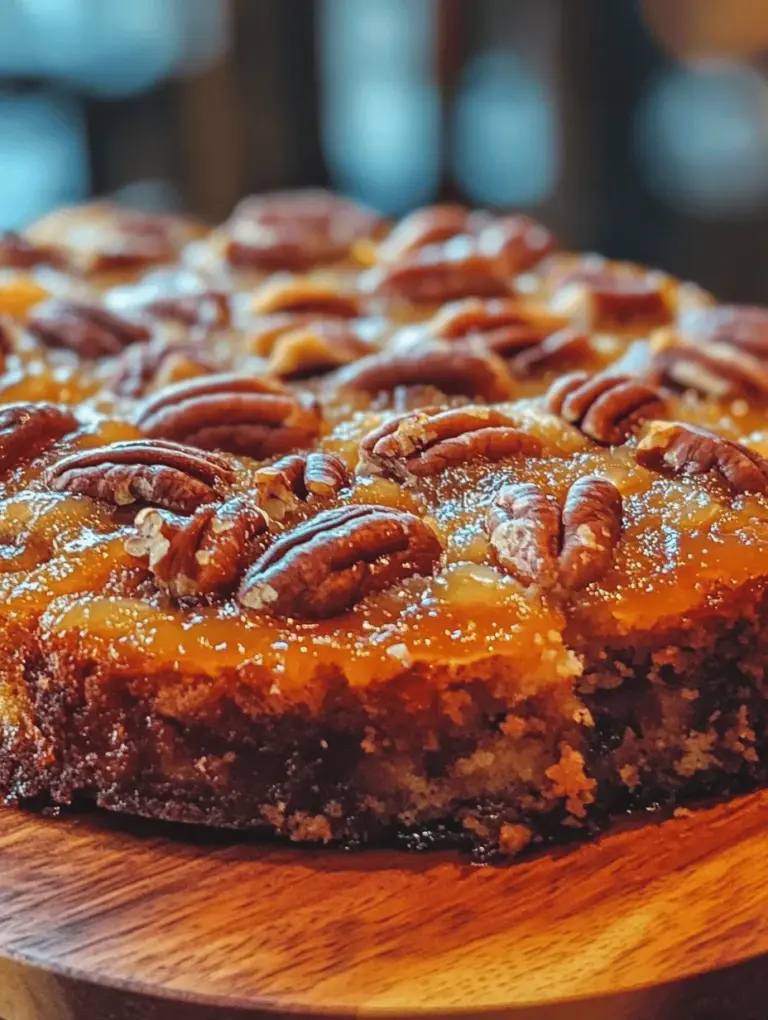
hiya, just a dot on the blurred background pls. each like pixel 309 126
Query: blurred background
pixel 638 128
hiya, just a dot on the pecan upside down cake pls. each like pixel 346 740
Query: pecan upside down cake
pixel 361 532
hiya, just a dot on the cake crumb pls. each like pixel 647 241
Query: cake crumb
pixel 571 781
pixel 630 776
pixel 514 838
pixel 309 828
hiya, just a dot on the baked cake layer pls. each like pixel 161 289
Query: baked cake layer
pixel 359 532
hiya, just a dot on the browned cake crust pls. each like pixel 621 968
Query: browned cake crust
pixel 363 533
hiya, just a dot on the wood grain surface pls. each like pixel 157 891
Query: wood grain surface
pixel 106 918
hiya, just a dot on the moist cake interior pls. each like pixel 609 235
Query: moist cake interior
pixel 347 531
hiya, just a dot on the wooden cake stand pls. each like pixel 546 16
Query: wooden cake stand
pixel 108 919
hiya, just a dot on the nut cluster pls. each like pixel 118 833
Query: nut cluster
pixel 551 546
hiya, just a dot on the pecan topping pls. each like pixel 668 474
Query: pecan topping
pixel 251 416
pixel 524 336
pixel 327 564
pixel 448 253
pixel 17 252
pixel 205 554
pixel 26 428
pixel 552 547
pixel 517 242
pixel 678 449
pixel 564 347
pixel 452 370
pixel 302 294
pixel 426 442
pixel 299 477
pixel 295 231
pixel 143 471
pixel 315 349
pixel 104 237
pixel 156 364
pixel 208 308
pixel 440 273
pixel 613 295
pixel 712 369
pixel 607 408
pixel 741 326
pixel 431 225
pixel 88 330
pixel 479 263
pixel 504 324
pixel 178 295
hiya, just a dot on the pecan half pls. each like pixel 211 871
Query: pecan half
pixel 678 449
pixel 506 325
pixel 543 544
pixel 426 442
pixel 562 348
pixel 430 225
pixel 741 326
pixel 325 565
pixel 591 531
pixel 611 295
pixel 209 308
pixel 25 429
pixel 607 408
pixel 528 338
pixel 295 230
pixel 303 294
pixel 299 477
pixel 17 252
pixel 251 416
pixel 451 370
pixel 175 294
pixel 205 554
pixel 104 237
pixel 468 254
pixel 516 242
pixel 524 528
pixel 143 471
pixel 315 349
pixel 88 330
pixel 711 369
pixel 437 273
pixel 156 364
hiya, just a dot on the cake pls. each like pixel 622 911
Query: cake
pixel 425 533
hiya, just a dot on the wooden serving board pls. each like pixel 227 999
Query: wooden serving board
pixel 108 919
